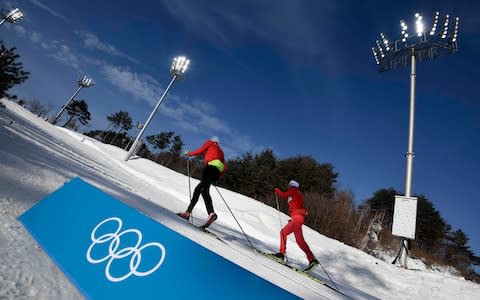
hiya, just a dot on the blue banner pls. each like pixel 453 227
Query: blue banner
pixel 112 251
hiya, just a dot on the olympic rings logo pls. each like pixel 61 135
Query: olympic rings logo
pixel 115 253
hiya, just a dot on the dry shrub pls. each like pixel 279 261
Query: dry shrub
pixel 334 217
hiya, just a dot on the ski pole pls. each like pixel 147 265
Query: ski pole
pixel 328 276
pixel 280 222
pixel 189 188
pixel 278 209
pixel 251 245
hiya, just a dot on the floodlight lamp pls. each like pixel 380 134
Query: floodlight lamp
pixel 434 23
pixel 375 55
pixel 455 30
pixel 85 81
pixel 179 65
pixel 380 49
pixel 385 41
pixel 404 31
pixel 14 15
pixel 445 26
pixel 419 24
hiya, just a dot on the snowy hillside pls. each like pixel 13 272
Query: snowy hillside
pixel 37 158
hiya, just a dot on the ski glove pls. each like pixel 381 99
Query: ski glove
pixel 186 153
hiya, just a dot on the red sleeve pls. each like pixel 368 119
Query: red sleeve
pixel 201 149
pixel 283 194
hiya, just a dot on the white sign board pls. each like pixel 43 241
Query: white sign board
pixel 405 217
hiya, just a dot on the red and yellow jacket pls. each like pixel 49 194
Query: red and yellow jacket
pixel 213 155
pixel 295 200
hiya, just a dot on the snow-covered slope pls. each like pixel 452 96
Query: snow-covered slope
pixel 36 158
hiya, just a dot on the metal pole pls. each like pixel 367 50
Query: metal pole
pixel 189 188
pixel 66 104
pixel 2 21
pixel 410 154
pixel 135 144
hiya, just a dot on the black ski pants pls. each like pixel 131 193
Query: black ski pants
pixel 210 175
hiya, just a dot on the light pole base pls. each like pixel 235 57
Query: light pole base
pixel 404 254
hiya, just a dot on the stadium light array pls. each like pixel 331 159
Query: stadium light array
pixel 13 16
pixel 424 45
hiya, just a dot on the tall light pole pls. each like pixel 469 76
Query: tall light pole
pixel 423 45
pixel 82 82
pixel 13 16
pixel 179 66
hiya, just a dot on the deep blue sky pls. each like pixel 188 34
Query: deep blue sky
pixel 295 76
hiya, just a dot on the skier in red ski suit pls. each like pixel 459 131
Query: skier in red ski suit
pixel 298 212
pixel 215 167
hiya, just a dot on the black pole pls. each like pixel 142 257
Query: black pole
pixel 251 245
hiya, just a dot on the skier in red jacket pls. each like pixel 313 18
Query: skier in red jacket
pixel 298 212
pixel 215 167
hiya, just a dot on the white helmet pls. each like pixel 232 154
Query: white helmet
pixel 293 183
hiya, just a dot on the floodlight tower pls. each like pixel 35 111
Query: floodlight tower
pixel 178 69
pixel 82 82
pixel 13 16
pixel 423 45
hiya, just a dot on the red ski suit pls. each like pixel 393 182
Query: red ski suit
pixel 297 212
pixel 212 151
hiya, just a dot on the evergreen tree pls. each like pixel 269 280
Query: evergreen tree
pixel 431 227
pixel 77 110
pixel 265 178
pixel 457 252
pixel 120 118
pixel 313 177
pixel 115 120
pixel 175 149
pixel 125 123
pixel 162 140
pixel 11 71
pixel 177 145
pixel 241 171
